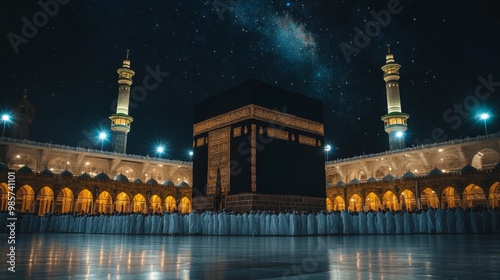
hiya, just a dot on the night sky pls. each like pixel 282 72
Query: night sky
pixel 68 66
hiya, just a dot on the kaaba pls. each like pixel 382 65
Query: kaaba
pixel 258 147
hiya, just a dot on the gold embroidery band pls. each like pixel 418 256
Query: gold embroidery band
pixel 307 140
pixel 278 134
pixel 259 113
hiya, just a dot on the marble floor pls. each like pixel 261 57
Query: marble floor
pixel 80 256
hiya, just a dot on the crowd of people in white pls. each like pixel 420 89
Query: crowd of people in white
pixel 267 223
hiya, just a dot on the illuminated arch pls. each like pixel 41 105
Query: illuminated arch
pixel 58 164
pixel 185 205
pixel 373 202
pixel 45 200
pixel 139 203
pixel 92 168
pixel 84 201
pixel 24 199
pixel 20 160
pixel 448 162
pixel 155 202
pixel 333 178
pixel 485 158
pixel 329 204
pixel 338 203
pixel 415 166
pixel 170 204
pixel 450 198
pixel 64 201
pixel 390 201
pixel 429 198
pixel 494 196
pixel 408 201
pixel 122 203
pixel 4 196
pixel 474 196
pixel 128 171
pixel 355 203
pixel 180 176
pixel 383 170
pixel 353 174
pixel 154 173
pixel 103 203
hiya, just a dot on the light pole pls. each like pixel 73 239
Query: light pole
pixel 5 120
pixel 190 155
pixel 102 136
pixel 484 117
pixel 160 150
pixel 327 149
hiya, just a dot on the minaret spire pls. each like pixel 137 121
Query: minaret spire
pixel 395 121
pixel 120 122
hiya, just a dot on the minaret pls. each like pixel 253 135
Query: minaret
pixel 394 121
pixel 120 122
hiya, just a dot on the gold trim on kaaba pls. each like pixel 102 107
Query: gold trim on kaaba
pixel 307 140
pixel 259 113
pixel 237 131
pixel 253 160
pixel 200 142
pixel 219 157
pixel 277 133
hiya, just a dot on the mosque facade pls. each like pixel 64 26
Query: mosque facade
pixel 54 178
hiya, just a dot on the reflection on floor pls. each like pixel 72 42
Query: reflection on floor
pixel 80 256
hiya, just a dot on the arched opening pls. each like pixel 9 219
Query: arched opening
pixel 355 203
pixel 153 174
pixel 338 203
pixel 185 205
pixel 329 204
pixel 474 196
pixel 180 176
pixel 103 203
pixel 495 195
pixel 84 202
pixel 415 166
pixel 45 201
pixel 382 171
pixel 450 198
pixel 4 197
pixel 64 201
pixel 57 165
pixel 408 201
pixel 333 178
pixel 92 168
pixel 24 199
pixel 373 202
pixel 170 204
pixel 448 162
pixel 429 198
pixel 127 171
pixel 485 159
pixel 139 203
pixel 122 203
pixel 21 160
pixel 155 202
pixel 390 201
